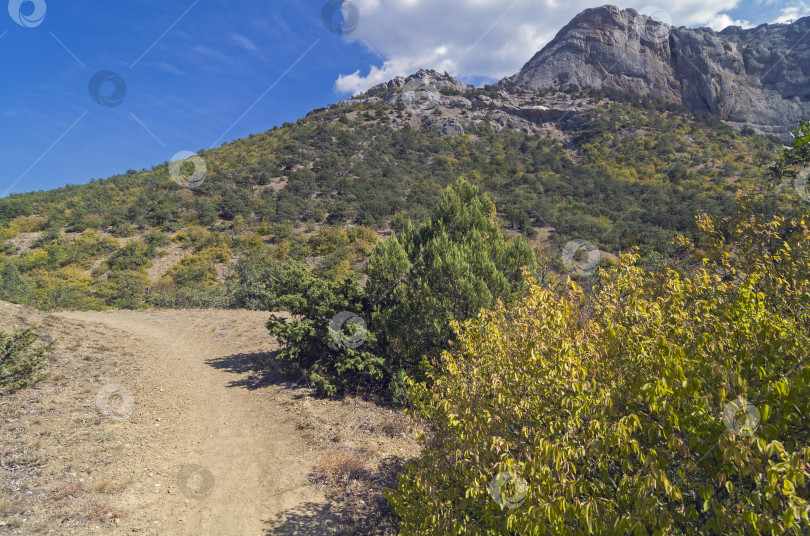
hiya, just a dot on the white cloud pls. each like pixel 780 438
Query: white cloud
pixel 485 38
pixel 722 20
pixel 244 42
pixel 789 14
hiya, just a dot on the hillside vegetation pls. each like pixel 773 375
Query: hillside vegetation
pixel 322 191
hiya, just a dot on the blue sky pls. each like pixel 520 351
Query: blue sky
pixel 198 73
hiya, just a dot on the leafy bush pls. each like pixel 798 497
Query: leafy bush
pixel 134 256
pixel 66 288
pixel 21 364
pixel 156 239
pixel 679 406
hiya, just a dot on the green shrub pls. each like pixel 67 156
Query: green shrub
pixel 679 406
pixel 133 256
pixel 306 338
pixel 170 296
pixel 123 290
pixel 157 239
pixel 255 282
pixel 21 364
pixel 13 288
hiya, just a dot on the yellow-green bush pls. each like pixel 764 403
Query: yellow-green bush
pixel 28 224
pixel 8 233
pixel 64 288
pixel 628 421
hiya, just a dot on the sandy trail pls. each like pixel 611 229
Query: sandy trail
pixel 247 463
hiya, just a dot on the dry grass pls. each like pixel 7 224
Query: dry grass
pixel 364 509
pixel 304 424
pixel 338 467
pixel 66 492
pixel 93 510
pixel 5 507
pixel 395 426
pixel 68 495
pixel 107 486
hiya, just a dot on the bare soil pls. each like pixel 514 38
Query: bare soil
pixel 182 422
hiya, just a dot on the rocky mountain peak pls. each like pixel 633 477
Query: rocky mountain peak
pixel 757 78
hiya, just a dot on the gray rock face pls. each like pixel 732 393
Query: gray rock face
pixel 450 128
pixel 757 78
pixel 426 77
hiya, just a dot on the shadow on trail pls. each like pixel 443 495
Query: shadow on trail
pixel 358 509
pixel 308 519
pixel 260 369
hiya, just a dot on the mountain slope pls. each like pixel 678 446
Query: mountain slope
pixel 756 78
pixel 605 166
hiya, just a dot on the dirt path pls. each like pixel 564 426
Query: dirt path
pixel 179 423
pixel 245 450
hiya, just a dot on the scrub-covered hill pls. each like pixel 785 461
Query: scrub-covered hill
pixel 615 169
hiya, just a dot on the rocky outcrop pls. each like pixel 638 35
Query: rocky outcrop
pixel 427 77
pixel 450 128
pixel 437 101
pixel 757 78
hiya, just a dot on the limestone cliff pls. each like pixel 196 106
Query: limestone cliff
pixel 759 78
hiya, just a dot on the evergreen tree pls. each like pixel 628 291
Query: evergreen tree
pixel 13 288
pixel 448 269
